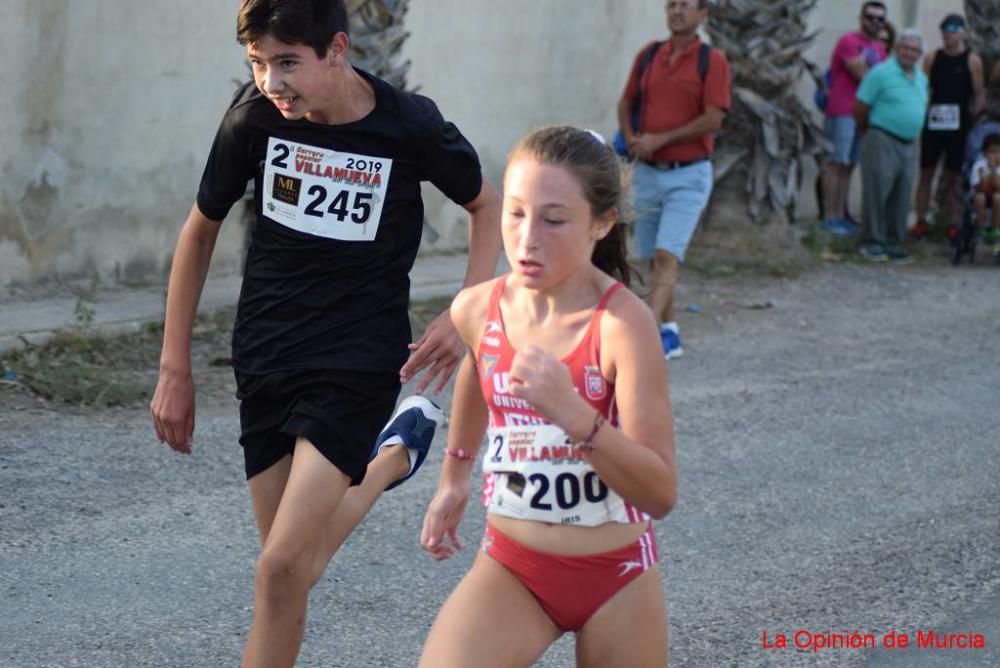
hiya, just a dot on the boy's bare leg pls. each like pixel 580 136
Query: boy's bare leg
pixel 292 543
pixel 294 559
pixel 391 464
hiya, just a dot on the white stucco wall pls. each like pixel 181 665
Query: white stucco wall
pixel 110 107
pixel 520 64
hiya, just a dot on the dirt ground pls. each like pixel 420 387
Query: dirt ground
pixel 81 372
pixel 835 438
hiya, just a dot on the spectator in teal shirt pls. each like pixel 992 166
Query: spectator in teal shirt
pixel 889 108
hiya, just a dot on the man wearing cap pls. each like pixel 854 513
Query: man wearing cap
pixel 957 95
pixel 889 110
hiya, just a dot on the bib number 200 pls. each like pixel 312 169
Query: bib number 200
pixel 568 490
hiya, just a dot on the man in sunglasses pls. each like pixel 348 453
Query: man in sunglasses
pixel 855 54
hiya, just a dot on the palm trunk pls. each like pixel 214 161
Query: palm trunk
pixel 377 35
pixel 984 37
pixel 769 133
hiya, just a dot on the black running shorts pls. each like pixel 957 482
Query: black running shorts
pixel 340 412
pixel 951 144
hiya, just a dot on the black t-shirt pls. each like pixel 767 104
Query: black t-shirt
pixel 339 220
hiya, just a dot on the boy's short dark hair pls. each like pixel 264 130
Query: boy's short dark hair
pixel 991 140
pixel 309 22
pixel 874 3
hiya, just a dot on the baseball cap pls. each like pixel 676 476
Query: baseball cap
pixel 953 23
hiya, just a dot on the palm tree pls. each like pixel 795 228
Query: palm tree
pixel 984 29
pixel 769 132
pixel 377 35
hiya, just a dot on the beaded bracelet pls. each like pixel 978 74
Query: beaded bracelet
pixel 458 454
pixel 587 443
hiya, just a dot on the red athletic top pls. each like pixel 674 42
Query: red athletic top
pixel 496 355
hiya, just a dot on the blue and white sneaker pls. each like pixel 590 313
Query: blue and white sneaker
pixel 412 425
pixel 670 337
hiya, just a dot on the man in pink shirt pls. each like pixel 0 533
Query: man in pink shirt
pixel 854 54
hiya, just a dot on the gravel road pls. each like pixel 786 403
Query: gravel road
pixel 837 437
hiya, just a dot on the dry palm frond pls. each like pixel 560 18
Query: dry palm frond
pixel 984 37
pixel 769 131
pixel 377 36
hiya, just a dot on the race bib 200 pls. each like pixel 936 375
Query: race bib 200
pixel 323 192
pixel 541 475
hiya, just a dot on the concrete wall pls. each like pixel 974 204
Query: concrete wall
pixel 109 111
pixel 110 108
pixel 522 64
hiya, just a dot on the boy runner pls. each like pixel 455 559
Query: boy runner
pixel 321 335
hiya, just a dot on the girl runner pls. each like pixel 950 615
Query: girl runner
pixel 566 370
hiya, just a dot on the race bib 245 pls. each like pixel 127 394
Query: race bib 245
pixel 323 192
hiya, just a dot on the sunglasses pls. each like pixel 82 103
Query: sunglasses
pixel 874 17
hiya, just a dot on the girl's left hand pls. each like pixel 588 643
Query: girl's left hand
pixel 545 383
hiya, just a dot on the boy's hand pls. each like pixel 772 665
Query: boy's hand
pixel 441 348
pixel 172 409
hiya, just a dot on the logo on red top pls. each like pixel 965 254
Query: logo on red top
pixel 488 362
pixel 593 383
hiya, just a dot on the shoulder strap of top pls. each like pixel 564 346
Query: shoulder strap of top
pixel 594 331
pixel 493 310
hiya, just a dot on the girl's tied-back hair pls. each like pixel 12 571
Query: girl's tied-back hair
pixel 603 179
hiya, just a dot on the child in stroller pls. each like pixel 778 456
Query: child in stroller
pixel 985 183
pixel 982 185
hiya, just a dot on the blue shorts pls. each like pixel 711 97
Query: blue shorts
pixel 668 205
pixel 841 130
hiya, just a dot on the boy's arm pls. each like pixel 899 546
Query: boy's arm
pixel 172 406
pixel 440 347
pixel 484 236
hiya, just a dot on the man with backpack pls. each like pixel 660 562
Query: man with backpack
pixel 677 94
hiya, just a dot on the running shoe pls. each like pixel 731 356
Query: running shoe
pixel 920 230
pixel 840 227
pixel 413 425
pixel 671 340
pixel 873 253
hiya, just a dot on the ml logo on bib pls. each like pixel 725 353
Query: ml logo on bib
pixel 594 384
pixel 286 189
